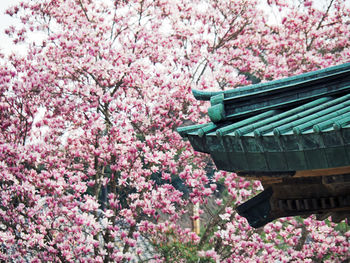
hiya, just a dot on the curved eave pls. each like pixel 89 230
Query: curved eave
pixel 314 135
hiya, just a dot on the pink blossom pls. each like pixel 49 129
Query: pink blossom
pixel 90 160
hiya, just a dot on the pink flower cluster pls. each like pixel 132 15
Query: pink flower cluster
pixel 91 164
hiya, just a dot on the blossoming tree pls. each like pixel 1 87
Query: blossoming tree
pixel 90 161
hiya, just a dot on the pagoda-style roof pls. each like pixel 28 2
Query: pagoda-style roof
pixel 297 123
pixel 280 128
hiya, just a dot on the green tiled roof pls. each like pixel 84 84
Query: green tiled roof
pixel 274 129
pixel 297 123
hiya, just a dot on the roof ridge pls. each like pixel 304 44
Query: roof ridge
pixel 275 84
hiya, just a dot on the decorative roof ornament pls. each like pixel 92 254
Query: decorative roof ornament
pixel 291 134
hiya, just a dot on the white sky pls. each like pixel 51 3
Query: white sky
pixel 7 46
pixel 5 21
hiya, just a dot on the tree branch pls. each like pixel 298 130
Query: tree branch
pixel 320 24
pixel 301 242
pixel 84 10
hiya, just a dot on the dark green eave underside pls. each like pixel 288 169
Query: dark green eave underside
pixel 284 153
